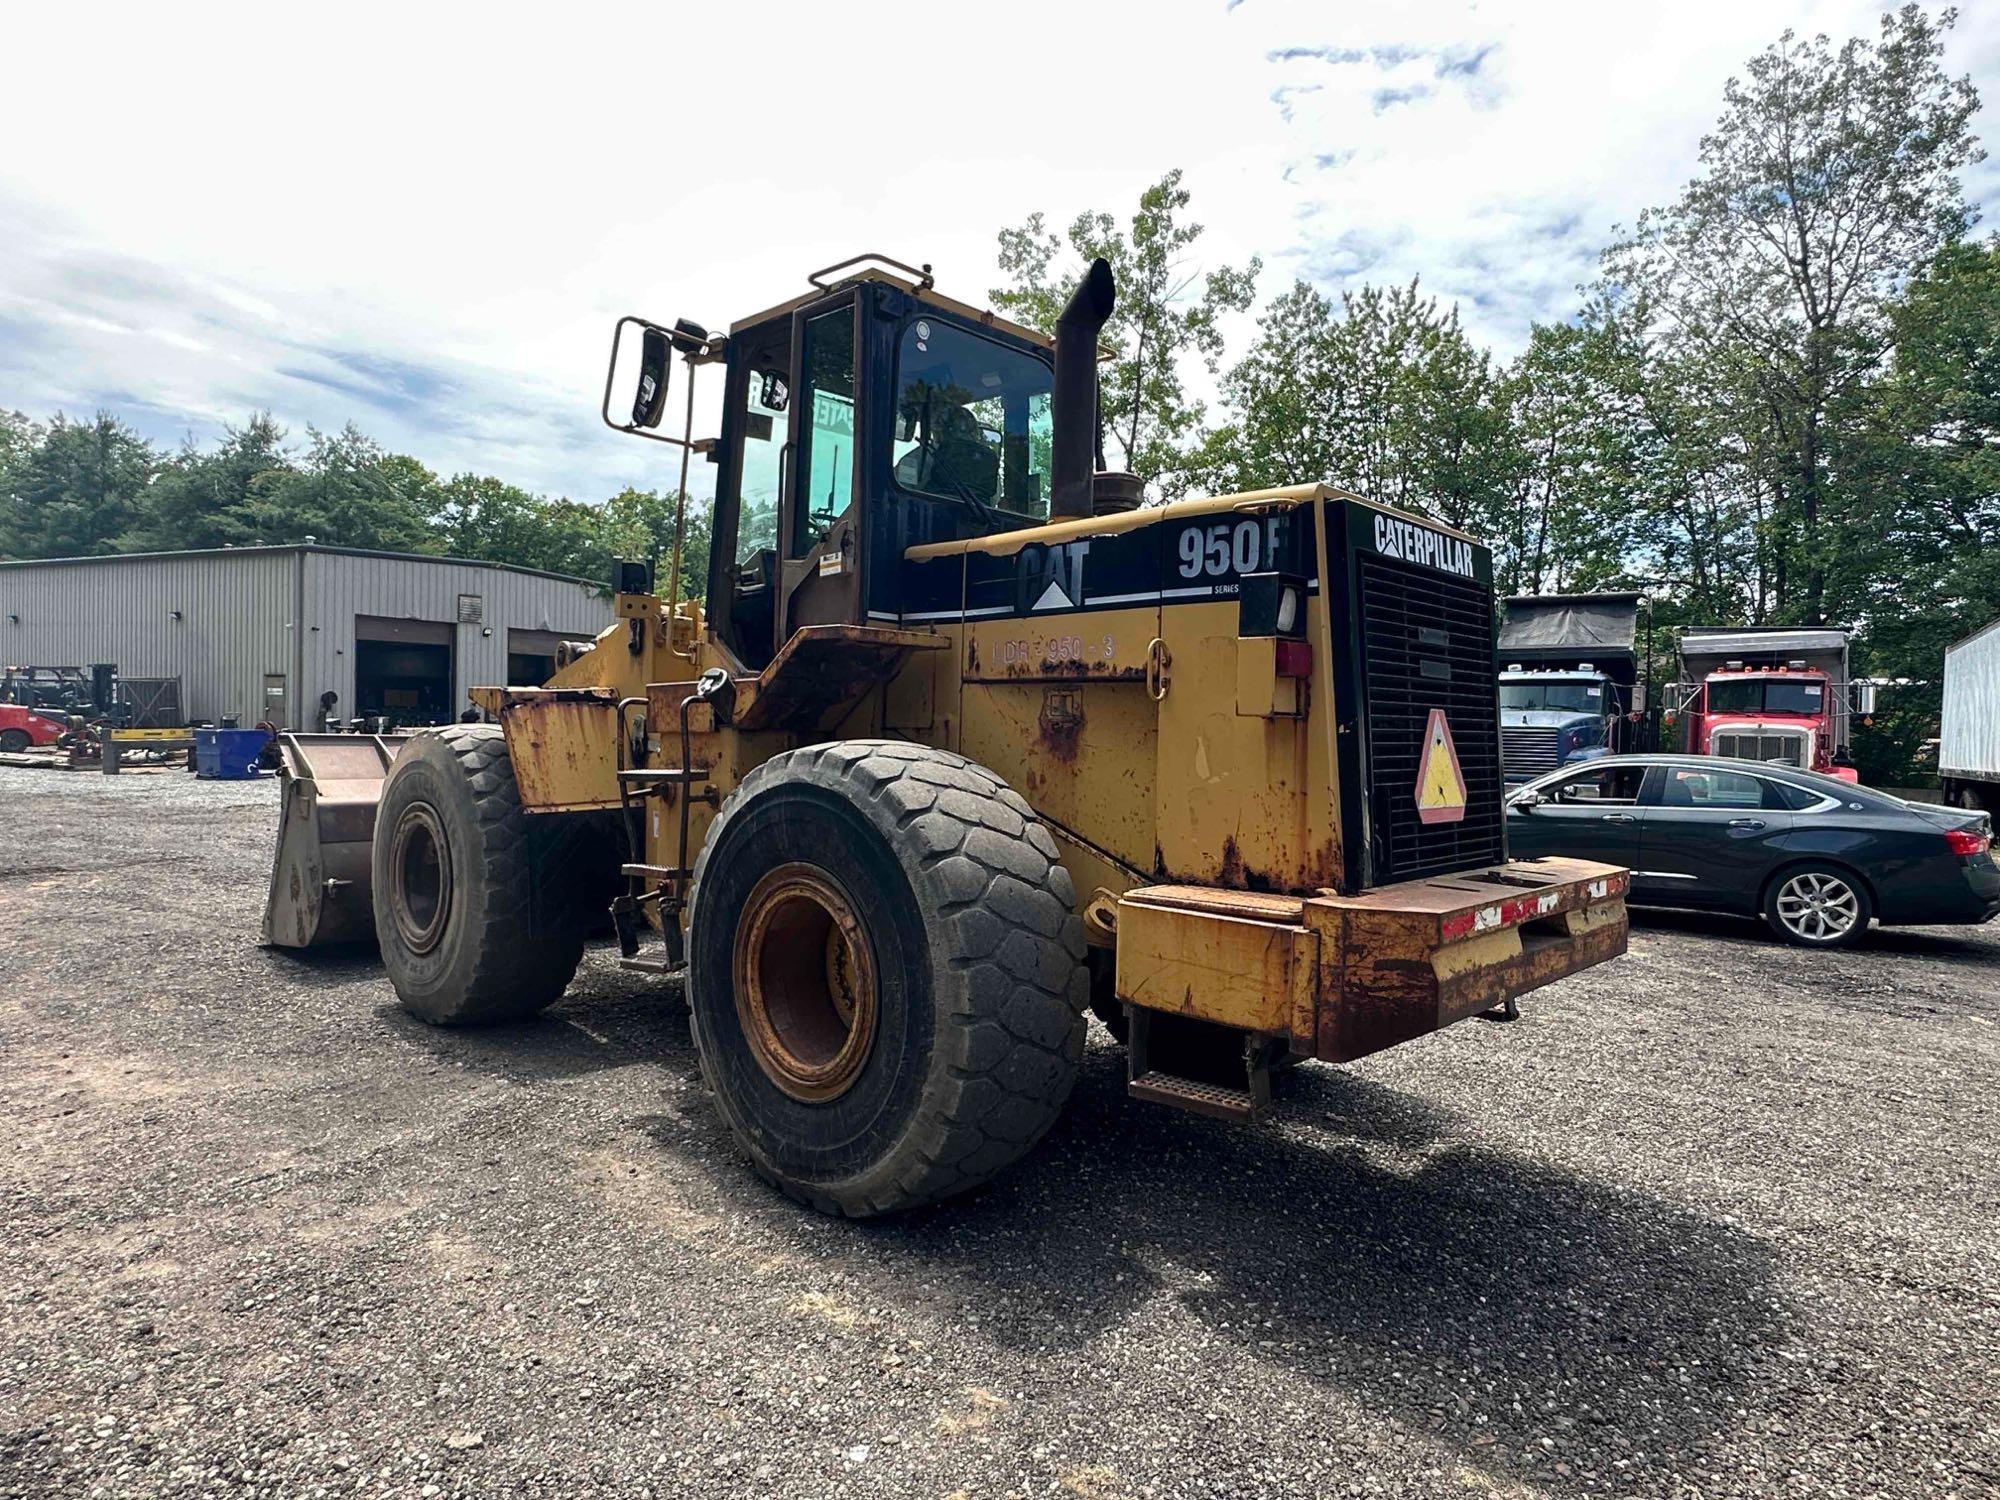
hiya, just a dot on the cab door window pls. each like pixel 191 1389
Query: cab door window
pixel 763 441
pixel 826 436
pixel 1611 786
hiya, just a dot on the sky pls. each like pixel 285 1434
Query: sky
pixel 425 218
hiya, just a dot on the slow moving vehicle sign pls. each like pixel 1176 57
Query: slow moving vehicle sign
pixel 1440 782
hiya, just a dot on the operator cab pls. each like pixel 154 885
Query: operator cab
pixel 865 418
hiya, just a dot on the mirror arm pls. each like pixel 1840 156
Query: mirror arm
pixel 681 496
pixel 692 353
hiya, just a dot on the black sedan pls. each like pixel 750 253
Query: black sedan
pixel 1816 858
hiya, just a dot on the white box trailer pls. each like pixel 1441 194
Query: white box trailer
pixel 1969 736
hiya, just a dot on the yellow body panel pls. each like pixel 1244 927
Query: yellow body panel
pixel 1258 973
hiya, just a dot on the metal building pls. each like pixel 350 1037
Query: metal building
pixel 266 632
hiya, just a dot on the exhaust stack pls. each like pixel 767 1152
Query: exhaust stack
pixel 1073 461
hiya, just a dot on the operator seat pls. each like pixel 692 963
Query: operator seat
pixel 955 459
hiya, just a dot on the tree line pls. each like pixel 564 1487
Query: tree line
pixel 71 488
pixel 1778 402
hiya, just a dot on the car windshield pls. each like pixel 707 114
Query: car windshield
pixel 973 419
pixel 1574 697
pixel 1766 695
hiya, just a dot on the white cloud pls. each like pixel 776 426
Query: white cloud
pixel 425 218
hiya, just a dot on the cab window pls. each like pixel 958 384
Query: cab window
pixel 1608 786
pixel 828 460
pixel 763 437
pixel 973 420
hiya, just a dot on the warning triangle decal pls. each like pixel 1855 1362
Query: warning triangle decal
pixel 1440 782
pixel 1054 598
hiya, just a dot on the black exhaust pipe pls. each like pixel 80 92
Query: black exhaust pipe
pixel 1073 461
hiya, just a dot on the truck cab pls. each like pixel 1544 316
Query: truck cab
pixel 1552 718
pixel 1774 693
pixel 1780 716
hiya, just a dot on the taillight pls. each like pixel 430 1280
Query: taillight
pixel 1968 841
pixel 1295 658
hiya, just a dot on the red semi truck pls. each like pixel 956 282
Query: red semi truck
pixel 1770 693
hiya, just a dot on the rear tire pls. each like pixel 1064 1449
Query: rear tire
pixel 1818 906
pixel 13 741
pixel 885 974
pixel 454 876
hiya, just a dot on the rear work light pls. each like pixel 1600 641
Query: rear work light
pixel 1295 658
pixel 1968 841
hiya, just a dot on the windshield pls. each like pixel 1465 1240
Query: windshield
pixel 973 419
pixel 1766 695
pixel 1571 697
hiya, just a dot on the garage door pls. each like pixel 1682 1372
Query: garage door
pixel 403 670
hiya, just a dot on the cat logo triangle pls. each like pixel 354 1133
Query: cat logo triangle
pixel 1440 782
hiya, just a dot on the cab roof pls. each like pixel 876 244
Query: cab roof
pixel 928 295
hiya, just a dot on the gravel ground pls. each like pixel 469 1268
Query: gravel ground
pixel 1718 1219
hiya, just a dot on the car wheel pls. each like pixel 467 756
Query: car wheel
pixel 13 741
pixel 1818 906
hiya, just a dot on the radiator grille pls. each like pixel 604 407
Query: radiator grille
pixel 1529 751
pixel 1450 665
pixel 1773 749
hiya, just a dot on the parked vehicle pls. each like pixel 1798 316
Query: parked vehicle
pixel 1771 693
pixel 1815 857
pixel 21 727
pixel 1569 688
pixel 1969 736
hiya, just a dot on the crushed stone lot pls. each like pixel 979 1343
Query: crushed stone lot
pixel 1716 1219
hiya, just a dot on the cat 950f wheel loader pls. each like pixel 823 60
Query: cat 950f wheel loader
pixel 959 743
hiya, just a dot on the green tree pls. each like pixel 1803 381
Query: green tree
pixel 1830 176
pixel 489 519
pixel 350 492
pixel 73 491
pixel 210 499
pixel 1381 393
pixel 1168 309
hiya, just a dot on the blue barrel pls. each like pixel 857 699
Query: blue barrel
pixel 228 754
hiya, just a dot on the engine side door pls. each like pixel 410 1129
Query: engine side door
pixel 1708 837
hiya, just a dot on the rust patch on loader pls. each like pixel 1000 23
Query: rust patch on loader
pixel 1059 727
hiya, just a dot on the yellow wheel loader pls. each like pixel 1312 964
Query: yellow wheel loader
pixel 960 743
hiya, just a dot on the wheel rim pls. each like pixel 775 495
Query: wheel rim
pixel 1818 907
pixel 805 983
pixel 420 877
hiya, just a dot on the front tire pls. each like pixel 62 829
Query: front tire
pixel 454 863
pixel 1818 906
pixel 885 974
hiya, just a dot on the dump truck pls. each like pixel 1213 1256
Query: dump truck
pixel 960 743
pixel 1775 693
pixel 1969 729
pixel 1569 680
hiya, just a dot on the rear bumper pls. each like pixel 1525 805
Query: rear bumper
pixel 1339 977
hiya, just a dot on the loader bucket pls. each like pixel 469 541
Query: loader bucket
pixel 321 880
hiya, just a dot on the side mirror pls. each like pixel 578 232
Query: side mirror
pixel 655 366
pixel 1526 800
pixel 657 347
pixel 772 393
pixel 1864 698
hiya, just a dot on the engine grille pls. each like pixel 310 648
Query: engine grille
pixel 1529 751
pixel 1406 675
pixel 1773 749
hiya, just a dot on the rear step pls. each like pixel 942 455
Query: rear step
pixel 1201 1098
pixel 1156 1038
